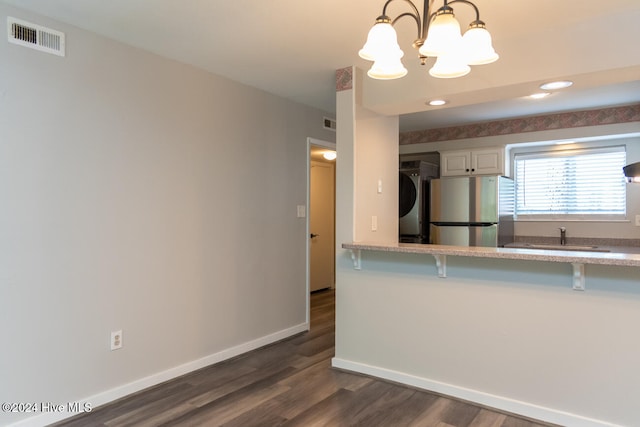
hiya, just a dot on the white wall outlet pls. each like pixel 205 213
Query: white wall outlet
pixel 374 223
pixel 637 220
pixel 302 211
pixel 116 340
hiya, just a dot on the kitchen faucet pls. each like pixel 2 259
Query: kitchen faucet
pixel 563 235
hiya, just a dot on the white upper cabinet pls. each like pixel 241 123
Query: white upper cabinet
pixel 487 161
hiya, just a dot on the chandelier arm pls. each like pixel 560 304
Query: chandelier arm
pixel 423 23
pixel 416 18
pixel 415 9
pixel 468 3
pixel 426 18
pixel 427 21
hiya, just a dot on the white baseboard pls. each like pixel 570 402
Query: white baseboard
pixel 501 403
pixel 132 387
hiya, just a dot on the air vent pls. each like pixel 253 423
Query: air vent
pixel 329 124
pixel 35 36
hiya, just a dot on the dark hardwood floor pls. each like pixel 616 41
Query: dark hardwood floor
pixel 290 383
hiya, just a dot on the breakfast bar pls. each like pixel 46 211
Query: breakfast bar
pixel 627 256
pixel 501 327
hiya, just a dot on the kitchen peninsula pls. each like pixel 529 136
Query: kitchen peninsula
pixel 505 328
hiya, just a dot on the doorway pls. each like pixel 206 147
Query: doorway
pixel 321 217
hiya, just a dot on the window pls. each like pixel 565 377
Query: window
pixel 571 184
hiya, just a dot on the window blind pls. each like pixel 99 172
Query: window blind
pixel 586 182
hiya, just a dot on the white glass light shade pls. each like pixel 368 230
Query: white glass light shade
pixel 444 32
pixel 450 65
pixel 477 46
pixel 381 41
pixel 387 68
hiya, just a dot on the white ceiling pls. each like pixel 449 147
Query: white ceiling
pixel 292 48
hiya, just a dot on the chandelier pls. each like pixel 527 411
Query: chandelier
pixel 438 36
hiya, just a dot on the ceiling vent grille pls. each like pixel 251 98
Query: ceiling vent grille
pixel 35 36
pixel 329 124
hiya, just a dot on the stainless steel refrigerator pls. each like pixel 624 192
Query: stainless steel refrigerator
pixel 472 211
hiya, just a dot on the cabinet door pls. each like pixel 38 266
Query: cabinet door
pixel 487 162
pixel 455 163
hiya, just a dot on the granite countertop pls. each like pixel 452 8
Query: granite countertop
pixel 582 248
pixel 630 257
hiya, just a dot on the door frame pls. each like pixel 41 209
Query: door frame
pixel 330 146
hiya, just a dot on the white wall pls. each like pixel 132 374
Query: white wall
pixel 622 134
pixel 367 152
pixel 145 195
pixel 365 138
pixel 376 188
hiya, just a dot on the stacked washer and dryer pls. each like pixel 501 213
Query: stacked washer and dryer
pixel 415 176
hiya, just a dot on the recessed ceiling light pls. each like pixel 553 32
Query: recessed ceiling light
pixel 539 95
pixel 437 102
pixel 556 85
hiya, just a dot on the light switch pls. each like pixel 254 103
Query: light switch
pixel 302 211
pixel 379 186
pixel 374 223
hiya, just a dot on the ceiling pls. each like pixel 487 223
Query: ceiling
pixel 292 48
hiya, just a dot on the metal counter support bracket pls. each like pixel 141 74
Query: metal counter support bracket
pixel 441 263
pixel 355 257
pixel 578 277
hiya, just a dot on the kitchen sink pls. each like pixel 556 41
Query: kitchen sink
pixel 548 247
